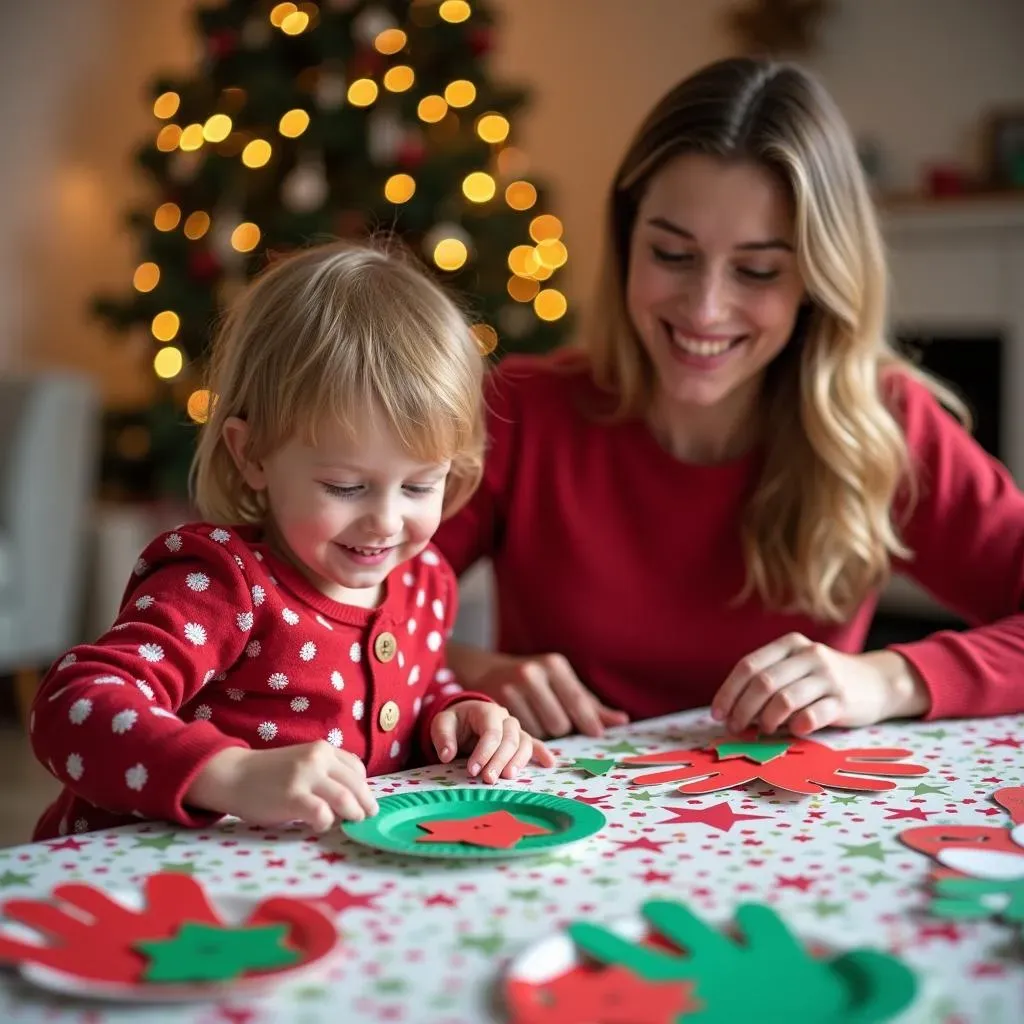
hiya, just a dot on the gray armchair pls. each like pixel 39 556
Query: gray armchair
pixel 49 428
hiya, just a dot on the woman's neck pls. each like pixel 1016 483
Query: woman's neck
pixel 707 435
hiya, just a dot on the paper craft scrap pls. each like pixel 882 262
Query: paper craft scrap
pixel 498 830
pixel 781 980
pixel 594 765
pixel 202 952
pixel 760 750
pixel 1012 799
pixel 971 898
pixel 610 996
pixel 805 767
pixel 87 934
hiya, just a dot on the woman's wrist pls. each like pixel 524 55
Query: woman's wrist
pixel 906 694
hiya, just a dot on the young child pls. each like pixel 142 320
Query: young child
pixel 266 661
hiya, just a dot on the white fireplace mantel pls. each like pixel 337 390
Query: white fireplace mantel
pixel 957 267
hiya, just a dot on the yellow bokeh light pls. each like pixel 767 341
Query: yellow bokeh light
pixel 293 123
pixel 546 226
pixel 191 138
pixel 460 93
pixel 522 289
pixel 280 12
pixel 542 273
pixel 454 11
pixel 552 253
pixel 520 195
pixel 450 253
pixel 399 78
pixel 198 406
pixel 493 128
pixel 166 105
pixel 486 338
pixel 166 217
pixel 245 237
pixel 522 260
pixel 478 187
pixel 165 325
pixel 432 108
pixel 399 188
pixel 256 153
pixel 196 224
pixel 390 41
pixel 217 128
pixel 168 137
pixel 295 24
pixel 168 362
pixel 550 304
pixel 362 92
pixel 146 277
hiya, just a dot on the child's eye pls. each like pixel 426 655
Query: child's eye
pixel 342 490
pixel 420 489
pixel 663 256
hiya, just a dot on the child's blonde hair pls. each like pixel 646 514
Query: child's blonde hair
pixel 334 333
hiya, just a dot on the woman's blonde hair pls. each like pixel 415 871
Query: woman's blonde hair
pixel 818 533
pixel 332 334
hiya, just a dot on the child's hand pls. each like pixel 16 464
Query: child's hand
pixel 545 694
pixel 498 745
pixel 804 686
pixel 313 782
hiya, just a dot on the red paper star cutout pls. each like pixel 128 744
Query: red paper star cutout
pixel 612 995
pixel 498 830
pixel 720 816
pixel 339 899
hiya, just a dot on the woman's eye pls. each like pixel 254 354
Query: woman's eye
pixel 664 256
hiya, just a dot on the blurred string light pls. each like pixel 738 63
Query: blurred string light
pixel 257 153
pixel 493 128
pixel 450 253
pixel 245 237
pixel 454 11
pixel 522 260
pixel 522 289
pixel 196 225
pixel 552 253
pixel 478 187
pixel 166 217
pixel 550 304
pixel 362 92
pixel 168 362
pixel 146 277
pixel 546 226
pixel 432 108
pixel 486 338
pixel 165 325
pixel 390 41
pixel 460 93
pixel 217 128
pixel 293 123
pixel 295 24
pixel 198 405
pixel 168 137
pixel 399 188
pixel 281 11
pixel 191 138
pixel 400 78
pixel 520 195
pixel 166 105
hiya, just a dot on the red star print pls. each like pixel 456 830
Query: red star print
pixel 638 844
pixel 948 931
pixel 984 970
pixel 235 1016
pixel 898 813
pixel 796 882
pixel 1006 741
pixel 439 900
pixel 339 899
pixel 498 830
pixel 67 844
pixel 650 877
pixel 331 858
pixel 720 816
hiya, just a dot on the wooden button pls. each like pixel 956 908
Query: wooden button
pixel 389 715
pixel 385 646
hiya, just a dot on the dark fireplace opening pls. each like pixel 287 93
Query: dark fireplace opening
pixel 972 364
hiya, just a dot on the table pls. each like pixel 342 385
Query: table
pixel 427 940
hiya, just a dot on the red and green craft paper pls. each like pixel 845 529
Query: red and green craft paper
pixel 498 830
pixel 797 765
pixel 176 938
pixel 682 969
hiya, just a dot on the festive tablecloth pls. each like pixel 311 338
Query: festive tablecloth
pixel 428 940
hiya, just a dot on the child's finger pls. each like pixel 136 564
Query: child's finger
pixel 490 731
pixel 443 735
pixel 356 785
pixel 507 748
pixel 342 800
pixel 541 755
pixel 520 758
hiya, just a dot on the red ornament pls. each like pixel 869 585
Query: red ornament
pixel 222 44
pixel 481 41
pixel 203 265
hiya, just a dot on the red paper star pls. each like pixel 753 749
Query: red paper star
pixel 498 830
pixel 339 899
pixel 720 816
pixel 612 995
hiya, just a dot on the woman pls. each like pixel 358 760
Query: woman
pixel 700 502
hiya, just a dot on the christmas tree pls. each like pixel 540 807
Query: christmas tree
pixel 311 121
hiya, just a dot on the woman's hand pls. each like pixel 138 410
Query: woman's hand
pixel 802 686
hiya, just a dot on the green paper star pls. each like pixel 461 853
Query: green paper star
pixel 593 765
pixel 486 944
pixel 641 794
pixel 877 877
pixel 156 842
pixel 873 850
pixel 922 789
pixel 9 878
pixel 622 748
pixel 758 751
pixel 824 909
pixel 202 952
pixel 184 868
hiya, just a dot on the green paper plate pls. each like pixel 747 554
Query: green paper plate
pixel 395 827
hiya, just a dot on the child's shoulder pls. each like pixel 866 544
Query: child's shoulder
pixel 211 543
